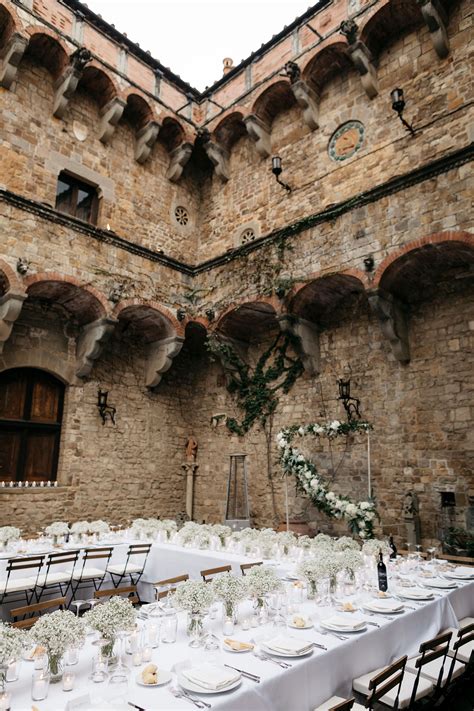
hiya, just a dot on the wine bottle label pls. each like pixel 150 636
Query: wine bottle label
pixel 383 583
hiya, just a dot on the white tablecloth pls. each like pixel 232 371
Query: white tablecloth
pixel 307 683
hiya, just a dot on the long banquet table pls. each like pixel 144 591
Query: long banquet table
pixel 308 682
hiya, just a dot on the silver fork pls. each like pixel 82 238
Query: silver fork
pixel 380 615
pixel 179 694
pixel 265 658
pixel 333 634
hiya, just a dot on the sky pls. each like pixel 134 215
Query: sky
pixel 193 37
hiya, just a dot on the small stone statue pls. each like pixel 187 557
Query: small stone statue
pixel 191 449
pixel 411 518
pixel 410 506
pixel 292 71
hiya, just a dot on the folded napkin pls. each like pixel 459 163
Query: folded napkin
pixel 415 593
pixel 210 676
pixel 289 645
pixel 344 622
pixel 384 605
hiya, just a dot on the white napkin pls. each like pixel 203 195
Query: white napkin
pixel 384 605
pixel 289 645
pixel 349 623
pixel 210 676
pixel 415 593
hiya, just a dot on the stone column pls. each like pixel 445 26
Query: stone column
pixel 189 471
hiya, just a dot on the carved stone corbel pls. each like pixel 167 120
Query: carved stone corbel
pixel 146 139
pixel 160 358
pixel 308 100
pixel 90 344
pixel 219 157
pixel 10 57
pixel 259 132
pixel 436 20
pixel 66 85
pixel 111 114
pixel 178 159
pixel 10 309
pixel 307 341
pixel 393 322
pixel 361 57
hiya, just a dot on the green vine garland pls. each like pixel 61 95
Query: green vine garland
pixel 256 389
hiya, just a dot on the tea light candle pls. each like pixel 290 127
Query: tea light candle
pixel 228 626
pixel 13 670
pixel 68 681
pixel 146 654
pixel 5 699
pixel 39 689
pixel 136 659
pixel 72 657
pixel 153 635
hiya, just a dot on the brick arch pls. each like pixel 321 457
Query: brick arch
pixel 84 301
pixel 149 309
pixel 9 22
pixel 41 359
pixel 248 317
pixel 387 21
pixel 230 128
pixel 172 132
pixel 327 61
pixel 139 110
pixel 319 299
pixel 98 83
pixel 9 281
pixel 47 48
pixel 272 100
pixel 437 238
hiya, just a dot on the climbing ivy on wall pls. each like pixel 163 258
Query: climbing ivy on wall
pixel 256 388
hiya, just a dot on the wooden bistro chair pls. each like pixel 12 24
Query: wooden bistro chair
pixel 85 574
pixel 134 565
pixel 247 566
pixel 434 665
pixel 54 579
pixel 169 581
pixel 31 613
pixel 337 703
pixel 19 584
pixel 208 574
pixel 130 592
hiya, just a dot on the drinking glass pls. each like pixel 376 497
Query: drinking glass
pixel 78 604
pixel 169 628
pixel 40 685
pixel 120 672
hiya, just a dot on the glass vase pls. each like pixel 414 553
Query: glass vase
pixel 55 668
pixel 195 628
pixel 311 590
pixel 332 589
pixel 230 611
pixel 107 650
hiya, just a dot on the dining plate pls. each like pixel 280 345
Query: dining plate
pixel 188 685
pixel 275 653
pixel 438 583
pixel 382 611
pixel 458 576
pixel 164 677
pixel 341 629
pixel 410 596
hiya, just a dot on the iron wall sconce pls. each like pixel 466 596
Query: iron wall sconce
pixel 369 263
pixel 351 404
pixel 277 170
pixel 104 409
pixel 398 105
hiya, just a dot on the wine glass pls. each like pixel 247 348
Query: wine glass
pixel 78 604
pixel 92 601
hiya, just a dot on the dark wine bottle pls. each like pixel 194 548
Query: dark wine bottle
pixel 393 548
pixel 382 573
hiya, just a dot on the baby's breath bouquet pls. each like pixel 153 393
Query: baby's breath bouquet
pixel 57 632
pixel 286 539
pixel 323 541
pixel 12 641
pixel 223 532
pixel 80 528
pixel 312 571
pixel 230 590
pixel 56 529
pixel 346 543
pixel 195 597
pixel 261 580
pixel 9 533
pixel 374 546
pixel 100 527
pixel 116 615
pixel 351 561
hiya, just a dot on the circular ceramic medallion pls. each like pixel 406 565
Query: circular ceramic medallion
pixel 346 140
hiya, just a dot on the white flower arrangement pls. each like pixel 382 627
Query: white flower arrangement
pixel 345 543
pixel 57 632
pixel 286 539
pixel 229 589
pixel 194 596
pixel 145 528
pixel 322 540
pixel 262 580
pixel 12 641
pixel 311 570
pixel 202 540
pixel 100 527
pixel 118 614
pixel 330 563
pixel 351 560
pixel 222 532
pixel 58 528
pixel 9 533
pixel 80 527
pixel 304 542
pixel 359 515
pixel 373 547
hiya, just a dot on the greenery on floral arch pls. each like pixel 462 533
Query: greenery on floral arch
pixel 360 515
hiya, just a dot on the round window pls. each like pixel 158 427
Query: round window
pixel 247 236
pixel 181 216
